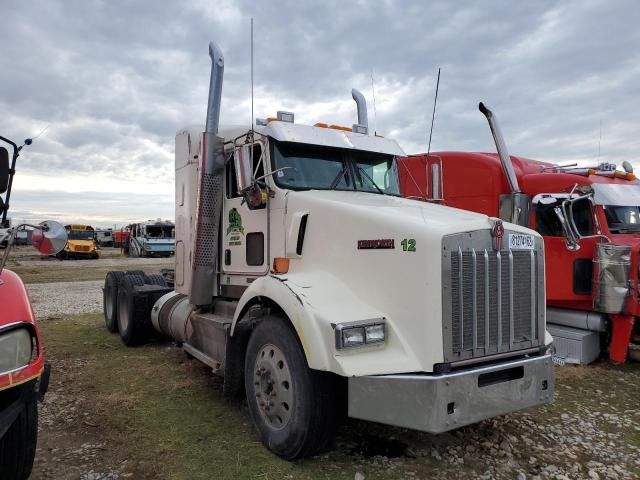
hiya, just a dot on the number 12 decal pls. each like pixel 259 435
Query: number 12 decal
pixel 408 245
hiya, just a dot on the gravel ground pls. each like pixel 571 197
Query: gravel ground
pixel 61 299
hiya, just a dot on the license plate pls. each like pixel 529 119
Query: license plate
pixel 518 241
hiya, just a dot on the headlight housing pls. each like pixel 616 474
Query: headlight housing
pixel 16 349
pixel 357 334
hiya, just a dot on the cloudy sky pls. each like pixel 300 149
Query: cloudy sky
pixel 114 80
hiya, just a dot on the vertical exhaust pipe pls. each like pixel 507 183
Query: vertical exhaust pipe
pixel 503 153
pixel 363 121
pixel 203 273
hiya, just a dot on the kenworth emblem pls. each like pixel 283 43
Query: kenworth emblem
pixel 497 232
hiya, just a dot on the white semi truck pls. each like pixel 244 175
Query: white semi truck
pixel 304 279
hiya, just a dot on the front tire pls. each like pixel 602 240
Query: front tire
pixel 292 406
pixel 18 445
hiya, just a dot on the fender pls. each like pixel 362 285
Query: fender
pixel 314 318
pixel 291 300
pixel 16 308
pixel 14 299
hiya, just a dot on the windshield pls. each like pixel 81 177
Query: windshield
pixel 326 168
pixel 616 194
pixel 621 205
pixel 159 231
pixel 622 219
pixel 80 234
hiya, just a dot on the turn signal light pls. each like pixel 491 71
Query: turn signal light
pixel 340 127
pixel 280 265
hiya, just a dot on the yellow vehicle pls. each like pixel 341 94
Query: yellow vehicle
pixel 81 243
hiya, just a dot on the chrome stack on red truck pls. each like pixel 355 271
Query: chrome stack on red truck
pixel 589 217
pixel 24 376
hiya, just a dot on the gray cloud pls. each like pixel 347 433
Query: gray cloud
pixel 115 80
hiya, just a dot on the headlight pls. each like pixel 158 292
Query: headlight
pixel 16 349
pixel 360 333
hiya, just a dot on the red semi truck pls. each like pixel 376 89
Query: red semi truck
pixel 24 376
pixel 589 219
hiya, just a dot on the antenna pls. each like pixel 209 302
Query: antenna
pixel 252 132
pixel 600 140
pixel 375 115
pixel 433 115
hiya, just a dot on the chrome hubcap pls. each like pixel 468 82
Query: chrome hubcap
pixel 273 388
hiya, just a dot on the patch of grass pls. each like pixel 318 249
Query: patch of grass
pixel 166 417
pixel 58 272
pixel 165 414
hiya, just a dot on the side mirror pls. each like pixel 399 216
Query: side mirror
pixel 243 167
pixel 570 230
pixel 50 238
pixel 4 169
pixel 571 237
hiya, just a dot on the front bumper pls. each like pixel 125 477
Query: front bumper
pixel 437 403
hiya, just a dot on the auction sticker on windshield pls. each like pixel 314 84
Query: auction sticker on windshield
pixel 518 241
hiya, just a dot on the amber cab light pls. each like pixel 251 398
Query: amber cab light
pixel 280 265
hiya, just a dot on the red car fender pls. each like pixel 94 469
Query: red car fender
pixel 16 309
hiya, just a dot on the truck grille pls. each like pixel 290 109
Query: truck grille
pixel 492 300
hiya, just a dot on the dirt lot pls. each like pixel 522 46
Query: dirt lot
pixel 149 412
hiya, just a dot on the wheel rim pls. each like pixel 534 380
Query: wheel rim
pixel 123 316
pixel 273 388
pixel 108 302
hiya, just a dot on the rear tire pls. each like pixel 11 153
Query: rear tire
pixel 18 446
pixel 136 272
pixel 110 299
pixel 132 324
pixel 292 406
pixel 155 279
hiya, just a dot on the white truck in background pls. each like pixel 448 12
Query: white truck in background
pixel 305 279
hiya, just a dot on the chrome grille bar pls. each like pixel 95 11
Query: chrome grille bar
pixel 533 295
pixel 486 300
pixel 511 326
pixel 461 303
pixel 499 299
pixel 475 302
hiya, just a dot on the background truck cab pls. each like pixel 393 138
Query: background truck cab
pixel 589 218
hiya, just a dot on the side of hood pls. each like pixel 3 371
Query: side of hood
pixel 439 219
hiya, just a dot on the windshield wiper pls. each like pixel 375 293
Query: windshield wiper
pixel 364 172
pixel 339 177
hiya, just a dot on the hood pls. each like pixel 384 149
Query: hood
pixel 367 256
pixel 84 243
pixel 398 210
pixel 81 245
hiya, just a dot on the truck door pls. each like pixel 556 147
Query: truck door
pixel 244 235
pixel 568 274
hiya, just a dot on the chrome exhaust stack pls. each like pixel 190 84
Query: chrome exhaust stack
pixel 363 121
pixel 503 153
pixel 203 277
pixel 514 207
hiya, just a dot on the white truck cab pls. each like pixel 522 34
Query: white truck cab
pixel 302 275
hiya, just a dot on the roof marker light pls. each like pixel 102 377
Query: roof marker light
pixel 285 116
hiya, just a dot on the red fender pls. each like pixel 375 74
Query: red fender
pixel 15 307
